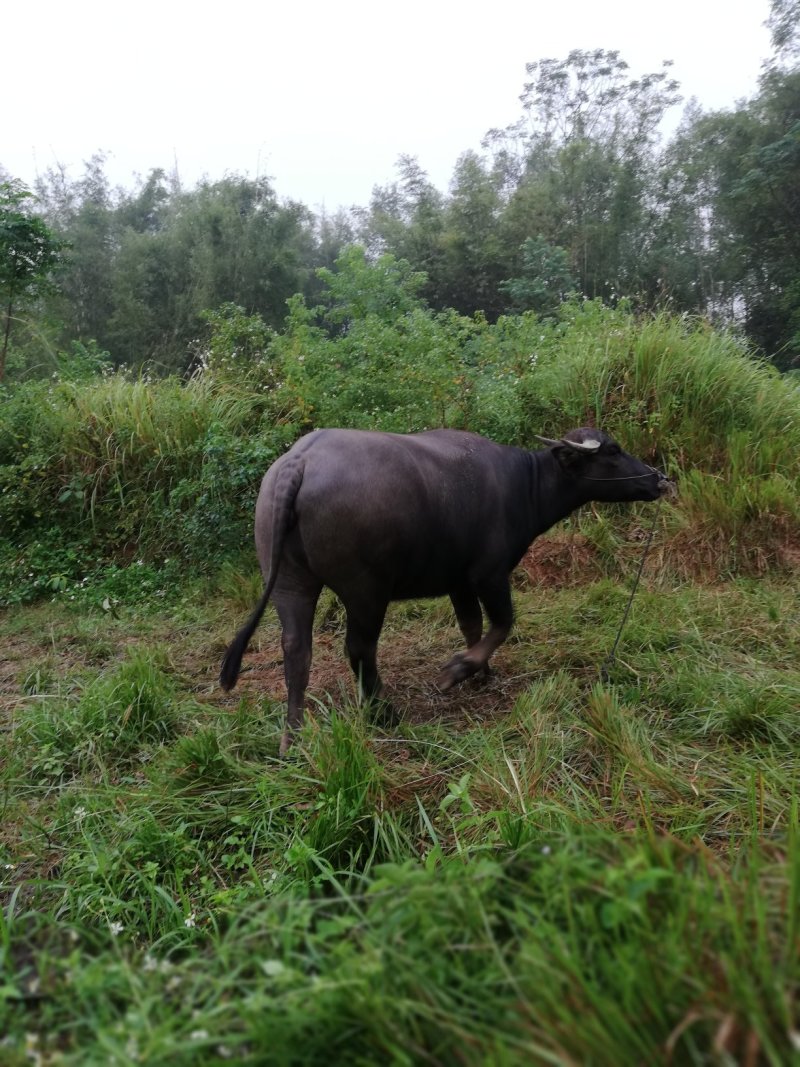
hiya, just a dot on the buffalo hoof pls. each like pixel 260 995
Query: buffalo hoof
pixel 382 712
pixel 456 671
pixel 287 740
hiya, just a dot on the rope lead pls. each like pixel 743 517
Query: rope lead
pixel 608 662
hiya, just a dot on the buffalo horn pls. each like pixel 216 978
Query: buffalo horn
pixel 582 446
pixel 578 446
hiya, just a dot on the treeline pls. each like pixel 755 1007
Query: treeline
pixel 579 196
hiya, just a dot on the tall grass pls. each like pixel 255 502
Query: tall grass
pixel 116 466
pixel 670 386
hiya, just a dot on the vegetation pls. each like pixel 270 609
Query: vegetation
pixel 541 868
pixel 576 860
pixel 581 194
pixel 554 865
pixel 29 253
pixel 114 466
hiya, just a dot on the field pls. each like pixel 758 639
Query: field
pixel 539 867
pixel 558 864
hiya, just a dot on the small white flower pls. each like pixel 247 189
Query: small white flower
pixel 224 1052
pixel 198 1035
pixel 149 963
pixel 79 814
pixel 546 850
pixel 190 921
pixel 9 866
pixel 116 928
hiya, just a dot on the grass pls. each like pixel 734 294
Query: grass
pixel 117 467
pixel 541 867
pixel 555 865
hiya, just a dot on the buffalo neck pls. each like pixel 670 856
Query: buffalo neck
pixel 554 493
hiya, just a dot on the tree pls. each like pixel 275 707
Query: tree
pixel 82 212
pixel 357 288
pixel 29 253
pixel 145 264
pixel 784 27
pixel 732 195
pixel 407 219
pixel 545 280
pixel 577 169
pixel 475 259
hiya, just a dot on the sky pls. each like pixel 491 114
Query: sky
pixel 323 97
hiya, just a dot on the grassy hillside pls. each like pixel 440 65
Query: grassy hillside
pixel 119 468
pixel 552 865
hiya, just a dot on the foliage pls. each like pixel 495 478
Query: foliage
pixel 29 253
pixel 122 467
pixel 784 27
pixel 734 179
pixel 545 280
pixel 145 264
pixel 372 356
pixel 699 223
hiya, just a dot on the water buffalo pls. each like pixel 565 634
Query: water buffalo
pixel 380 516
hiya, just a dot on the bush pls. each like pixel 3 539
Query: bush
pixel 108 466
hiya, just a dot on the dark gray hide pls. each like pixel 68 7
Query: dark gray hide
pixel 379 517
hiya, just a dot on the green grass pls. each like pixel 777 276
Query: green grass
pixel 556 865
pixel 118 467
pixel 543 867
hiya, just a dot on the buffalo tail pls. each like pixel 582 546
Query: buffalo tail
pixel 286 490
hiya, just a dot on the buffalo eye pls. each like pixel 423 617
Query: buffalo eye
pixel 614 450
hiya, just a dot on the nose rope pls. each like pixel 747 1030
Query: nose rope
pixel 624 477
pixel 608 662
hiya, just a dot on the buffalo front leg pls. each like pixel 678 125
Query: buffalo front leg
pixel 496 599
pixel 296 613
pixel 470 619
pixel 468 612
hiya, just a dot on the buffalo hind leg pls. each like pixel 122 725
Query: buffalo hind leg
pixel 296 612
pixel 361 644
pixel 496 599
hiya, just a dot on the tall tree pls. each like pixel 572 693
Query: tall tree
pixel 83 213
pixel 407 219
pixel 577 168
pixel 29 253
pixel 475 260
pixel 732 193
pixel 784 27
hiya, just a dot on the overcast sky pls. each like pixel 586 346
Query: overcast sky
pixel 324 96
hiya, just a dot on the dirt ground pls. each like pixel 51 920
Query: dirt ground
pixel 412 651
